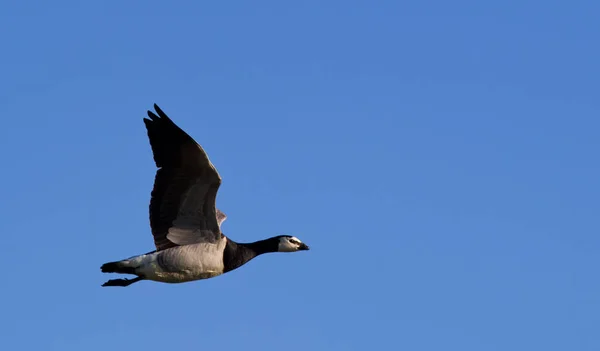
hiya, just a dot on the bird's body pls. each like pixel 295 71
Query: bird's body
pixel 180 264
pixel 185 222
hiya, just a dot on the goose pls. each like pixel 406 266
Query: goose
pixel 184 219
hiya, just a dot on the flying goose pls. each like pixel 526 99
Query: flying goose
pixel 184 220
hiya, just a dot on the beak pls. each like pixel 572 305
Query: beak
pixel 303 247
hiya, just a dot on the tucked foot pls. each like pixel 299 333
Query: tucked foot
pixel 122 282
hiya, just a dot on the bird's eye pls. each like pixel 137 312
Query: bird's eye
pixel 294 241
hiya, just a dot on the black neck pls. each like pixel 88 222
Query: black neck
pixel 262 246
pixel 236 254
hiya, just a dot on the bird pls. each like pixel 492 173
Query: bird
pixel 184 220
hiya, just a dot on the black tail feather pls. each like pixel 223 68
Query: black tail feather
pixel 117 267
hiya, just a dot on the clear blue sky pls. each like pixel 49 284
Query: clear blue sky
pixel 440 158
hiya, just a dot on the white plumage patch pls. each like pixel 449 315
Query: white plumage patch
pixel 289 244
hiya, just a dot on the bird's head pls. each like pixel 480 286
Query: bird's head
pixel 288 243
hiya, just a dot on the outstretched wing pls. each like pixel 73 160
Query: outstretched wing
pixel 182 207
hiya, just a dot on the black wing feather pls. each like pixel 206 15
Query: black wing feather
pixel 182 164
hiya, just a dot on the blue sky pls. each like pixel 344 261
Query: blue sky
pixel 440 158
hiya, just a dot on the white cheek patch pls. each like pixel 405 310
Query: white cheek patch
pixel 289 244
pixel 286 246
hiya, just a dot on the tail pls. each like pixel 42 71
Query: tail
pixel 118 267
pixel 123 267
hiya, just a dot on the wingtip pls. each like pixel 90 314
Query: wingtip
pixel 158 115
pixel 160 112
pixel 152 116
